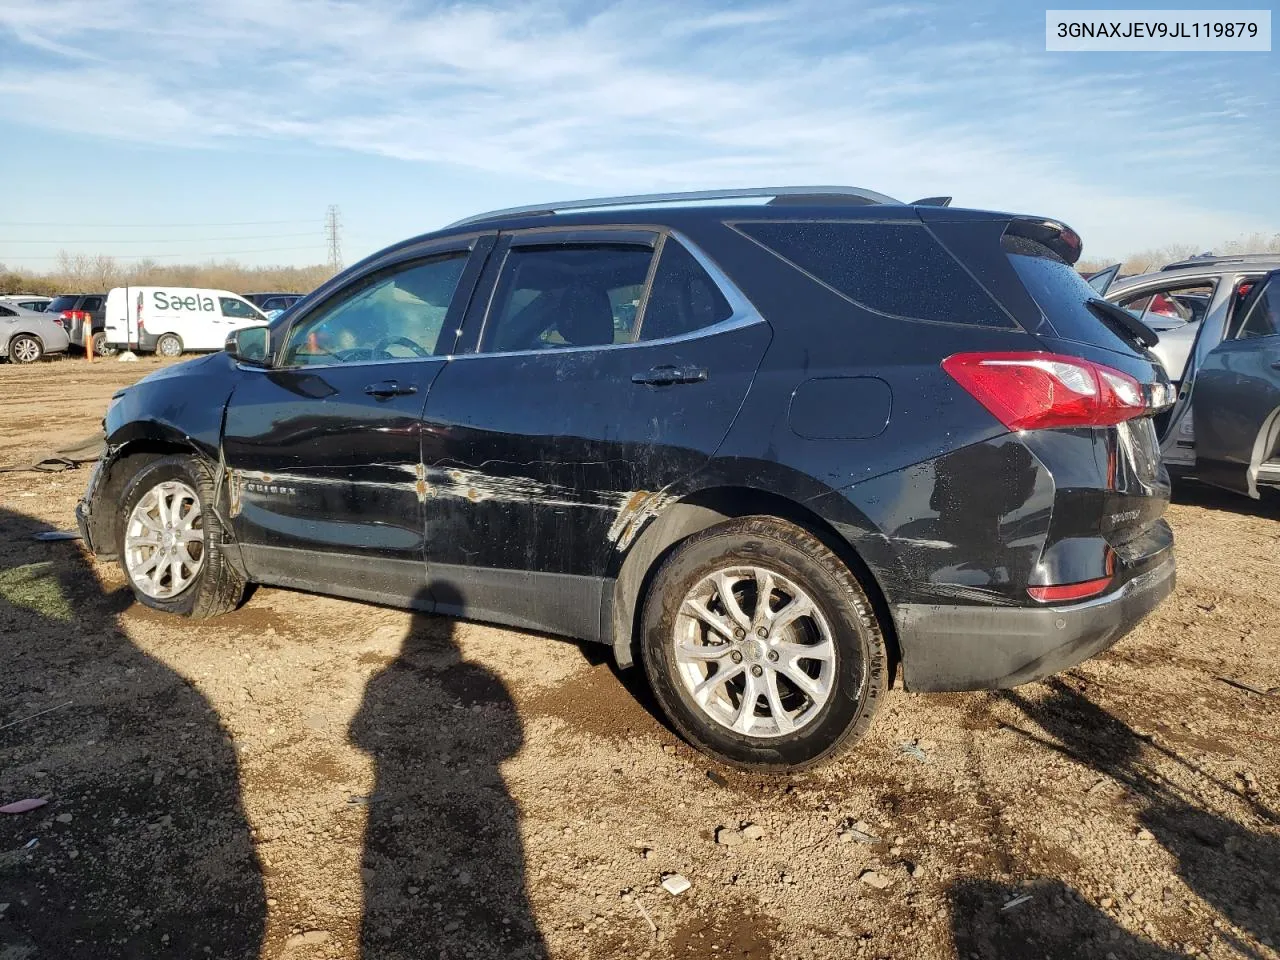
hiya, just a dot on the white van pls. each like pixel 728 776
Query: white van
pixel 169 320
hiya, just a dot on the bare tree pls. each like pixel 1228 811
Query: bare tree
pixel 104 271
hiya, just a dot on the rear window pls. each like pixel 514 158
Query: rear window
pixel 1061 294
pixel 893 268
pixel 62 303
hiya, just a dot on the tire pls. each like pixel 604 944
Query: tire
pixel 25 348
pixel 169 345
pixel 214 586
pixel 847 673
pixel 100 346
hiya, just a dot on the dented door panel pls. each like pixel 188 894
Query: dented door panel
pixel 552 462
pixel 317 466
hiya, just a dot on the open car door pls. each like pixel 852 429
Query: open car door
pixel 1101 281
pixel 1235 399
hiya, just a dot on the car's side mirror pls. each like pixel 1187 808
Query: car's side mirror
pixel 250 345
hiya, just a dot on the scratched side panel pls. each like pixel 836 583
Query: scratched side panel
pixel 543 461
pixel 316 464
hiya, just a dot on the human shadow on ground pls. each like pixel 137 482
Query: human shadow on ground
pixel 1228 865
pixel 143 849
pixel 443 868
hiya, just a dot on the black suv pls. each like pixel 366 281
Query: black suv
pixel 773 450
pixel 73 310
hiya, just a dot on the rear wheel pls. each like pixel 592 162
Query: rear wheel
pixel 25 348
pixel 762 647
pixel 100 346
pixel 171 542
pixel 169 345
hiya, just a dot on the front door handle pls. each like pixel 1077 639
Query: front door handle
pixel 666 375
pixel 390 388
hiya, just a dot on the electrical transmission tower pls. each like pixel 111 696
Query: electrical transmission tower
pixel 332 224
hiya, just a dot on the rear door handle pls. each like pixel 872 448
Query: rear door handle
pixel 666 375
pixel 390 388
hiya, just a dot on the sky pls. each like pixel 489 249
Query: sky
pixel 148 128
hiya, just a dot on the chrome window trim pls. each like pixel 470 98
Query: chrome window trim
pixel 744 313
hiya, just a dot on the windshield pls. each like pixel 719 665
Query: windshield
pixel 1062 295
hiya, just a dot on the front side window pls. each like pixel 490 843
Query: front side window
pixel 567 295
pixel 395 315
pixel 1263 319
pixel 237 308
pixel 684 298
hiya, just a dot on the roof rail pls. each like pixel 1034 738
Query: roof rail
pixel 647 199
pixel 1207 260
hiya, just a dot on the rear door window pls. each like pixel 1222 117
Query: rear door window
pixel 567 295
pixel 897 269
pixel 62 303
pixel 91 304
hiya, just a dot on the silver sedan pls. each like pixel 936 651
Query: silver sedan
pixel 27 336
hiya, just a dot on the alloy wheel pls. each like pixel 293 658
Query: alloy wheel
pixel 26 350
pixel 164 540
pixel 754 652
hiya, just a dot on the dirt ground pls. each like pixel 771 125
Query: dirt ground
pixel 316 778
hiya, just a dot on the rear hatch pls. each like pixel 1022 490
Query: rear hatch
pixel 1085 406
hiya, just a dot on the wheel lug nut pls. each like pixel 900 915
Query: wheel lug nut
pixel 739 633
pixel 736 656
pixel 773 656
pixel 757 671
pixel 762 632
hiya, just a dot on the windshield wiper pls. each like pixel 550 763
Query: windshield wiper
pixel 1128 325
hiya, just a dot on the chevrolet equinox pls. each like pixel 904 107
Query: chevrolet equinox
pixel 776 444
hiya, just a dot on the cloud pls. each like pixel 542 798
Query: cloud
pixel 634 95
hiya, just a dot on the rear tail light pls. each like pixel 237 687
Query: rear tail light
pixel 1042 391
pixel 1063 592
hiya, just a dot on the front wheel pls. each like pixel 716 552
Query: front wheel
pixel 25 348
pixel 171 542
pixel 762 646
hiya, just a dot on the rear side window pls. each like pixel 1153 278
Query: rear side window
pixel 683 299
pixel 62 303
pixel 893 268
pixel 91 303
pixel 1061 294
pixel 579 295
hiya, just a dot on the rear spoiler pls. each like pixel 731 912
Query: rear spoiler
pixel 931 202
pixel 1055 235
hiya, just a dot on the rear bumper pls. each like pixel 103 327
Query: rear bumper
pixel 949 647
